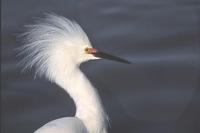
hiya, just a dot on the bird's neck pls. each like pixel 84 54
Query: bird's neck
pixel 88 104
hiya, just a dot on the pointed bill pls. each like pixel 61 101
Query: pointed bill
pixel 103 55
pixel 110 57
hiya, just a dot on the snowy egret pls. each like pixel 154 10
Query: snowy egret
pixel 55 47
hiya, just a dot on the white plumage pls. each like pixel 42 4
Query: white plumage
pixel 55 47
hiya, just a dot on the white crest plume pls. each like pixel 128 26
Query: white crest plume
pixel 46 44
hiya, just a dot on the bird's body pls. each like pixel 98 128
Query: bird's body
pixel 55 48
pixel 64 125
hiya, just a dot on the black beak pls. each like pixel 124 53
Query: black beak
pixel 110 57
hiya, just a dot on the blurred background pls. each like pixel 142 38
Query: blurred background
pixel 158 93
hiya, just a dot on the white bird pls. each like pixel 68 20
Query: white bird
pixel 55 47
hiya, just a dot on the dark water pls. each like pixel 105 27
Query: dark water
pixel 158 93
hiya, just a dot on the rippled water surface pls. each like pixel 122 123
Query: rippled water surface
pixel 158 93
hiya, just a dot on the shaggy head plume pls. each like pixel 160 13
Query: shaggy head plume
pixel 47 44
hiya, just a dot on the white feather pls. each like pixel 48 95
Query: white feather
pixel 55 48
pixel 48 37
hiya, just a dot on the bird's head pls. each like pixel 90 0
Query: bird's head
pixel 55 44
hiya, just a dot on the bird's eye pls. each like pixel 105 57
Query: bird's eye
pixel 90 50
pixel 86 49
